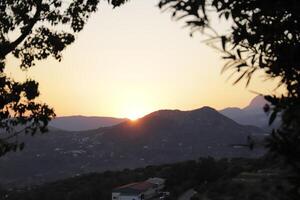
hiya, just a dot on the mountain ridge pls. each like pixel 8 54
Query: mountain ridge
pixel 160 137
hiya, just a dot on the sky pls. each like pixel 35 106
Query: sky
pixel 133 60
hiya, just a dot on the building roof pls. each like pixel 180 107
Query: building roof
pixel 134 188
pixel 157 181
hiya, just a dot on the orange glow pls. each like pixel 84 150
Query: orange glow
pixel 133 69
pixel 135 113
pixel 134 103
pixel 134 116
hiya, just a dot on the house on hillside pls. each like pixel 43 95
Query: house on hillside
pixel 144 190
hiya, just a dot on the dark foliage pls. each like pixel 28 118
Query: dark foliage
pixel 18 109
pixel 33 30
pixel 179 176
pixel 265 35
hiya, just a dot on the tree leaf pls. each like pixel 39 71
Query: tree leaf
pixel 223 40
pixel 272 117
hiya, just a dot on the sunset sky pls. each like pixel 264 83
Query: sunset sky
pixel 133 60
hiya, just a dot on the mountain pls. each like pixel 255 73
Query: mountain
pixel 252 114
pixel 163 136
pixel 82 123
pixel 257 103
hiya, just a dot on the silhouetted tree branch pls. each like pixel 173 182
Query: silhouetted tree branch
pixel 33 30
pixel 264 35
pixel 9 47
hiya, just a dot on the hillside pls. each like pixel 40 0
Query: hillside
pixel 179 177
pixel 82 123
pixel 164 136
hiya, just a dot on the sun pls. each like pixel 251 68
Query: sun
pixel 134 105
pixel 134 115
pixel 135 112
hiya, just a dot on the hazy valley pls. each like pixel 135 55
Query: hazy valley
pixel 164 136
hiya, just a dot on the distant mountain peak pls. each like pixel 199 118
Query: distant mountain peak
pixel 252 114
pixel 205 109
pixel 163 112
pixel 257 102
pixel 203 115
pixel 174 113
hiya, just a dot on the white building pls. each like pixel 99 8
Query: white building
pixel 139 191
pixel 159 182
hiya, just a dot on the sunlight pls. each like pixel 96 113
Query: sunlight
pixel 134 104
pixel 135 115
pixel 136 111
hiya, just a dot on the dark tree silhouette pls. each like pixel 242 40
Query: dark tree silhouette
pixel 265 35
pixel 33 30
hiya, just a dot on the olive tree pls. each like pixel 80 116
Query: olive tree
pixel 33 30
pixel 264 35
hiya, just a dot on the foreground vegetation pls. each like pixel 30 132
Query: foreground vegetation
pixel 207 175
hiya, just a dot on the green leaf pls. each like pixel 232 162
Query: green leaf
pixel 272 117
pixel 237 80
pixel 238 51
pixel 226 15
pixel 223 40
